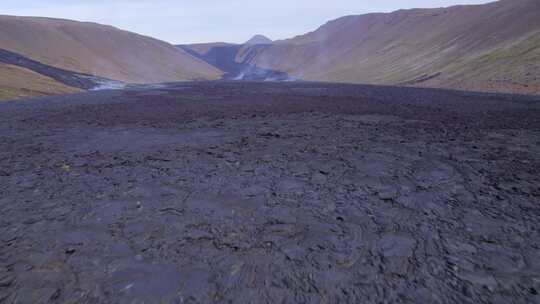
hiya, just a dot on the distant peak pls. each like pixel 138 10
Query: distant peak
pixel 259 39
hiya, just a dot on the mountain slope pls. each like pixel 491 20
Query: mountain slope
pixel 491 47
pixel 68 78
pixel 17 82
pixel 100 50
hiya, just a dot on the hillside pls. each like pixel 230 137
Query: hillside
pixel 234 60
pixel 100 50
pixel 491 47
pixel 17 82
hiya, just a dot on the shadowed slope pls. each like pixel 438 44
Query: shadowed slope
pixel 244 192
pixel 234 60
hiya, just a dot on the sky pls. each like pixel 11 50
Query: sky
pixel 193 21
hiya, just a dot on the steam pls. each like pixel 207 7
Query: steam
pixel 253 72
pixel 104 84
pixel 240 76
pixel 111 85
pixel 259 74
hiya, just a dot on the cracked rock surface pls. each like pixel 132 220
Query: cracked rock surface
pixel 270 193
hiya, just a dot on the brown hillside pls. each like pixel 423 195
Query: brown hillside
pixel 491 47
pixel 100 50
pixel 16 82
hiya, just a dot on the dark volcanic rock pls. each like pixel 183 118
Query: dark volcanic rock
pixel 70 78
pixel 251 192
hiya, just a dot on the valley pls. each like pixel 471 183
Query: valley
pixel 377 158
pixel 270 192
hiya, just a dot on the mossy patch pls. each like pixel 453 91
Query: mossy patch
pixel 516 51
pixel 7 94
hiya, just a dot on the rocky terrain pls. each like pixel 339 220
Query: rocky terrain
pixel 251 192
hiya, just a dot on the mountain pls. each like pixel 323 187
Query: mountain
pixel 258 39
pixel 100 50
pixel 490 47
pixel 233 59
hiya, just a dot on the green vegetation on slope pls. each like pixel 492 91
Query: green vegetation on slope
pixel 17 82
pixel 526 47
pixel 506 68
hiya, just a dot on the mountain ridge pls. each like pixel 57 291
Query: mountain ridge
pixel 493 47
pixel 100 50
pixel 422 47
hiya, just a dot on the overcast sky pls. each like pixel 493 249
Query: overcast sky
pixel 188 21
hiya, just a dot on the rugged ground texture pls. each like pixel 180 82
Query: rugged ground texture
pixel 270 193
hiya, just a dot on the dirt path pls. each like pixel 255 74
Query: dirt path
pixel 270 193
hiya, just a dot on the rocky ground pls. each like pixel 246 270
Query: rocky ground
pixel 270 193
